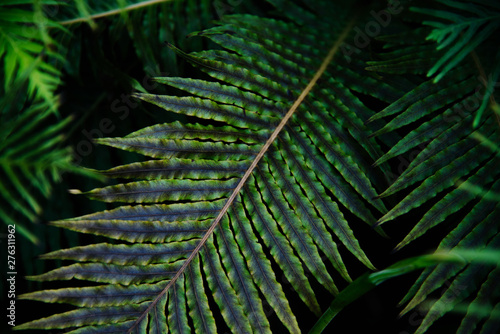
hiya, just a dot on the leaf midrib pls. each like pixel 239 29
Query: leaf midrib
pixel 327 60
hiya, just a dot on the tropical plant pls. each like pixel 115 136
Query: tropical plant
pixel 282 155
pixel 32 152
pixel 41 48
pixel 27 165
pixel 28 51
pixel 39 44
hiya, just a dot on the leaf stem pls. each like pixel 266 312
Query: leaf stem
pixel 113 12
pixel 368 281
pixel 488 94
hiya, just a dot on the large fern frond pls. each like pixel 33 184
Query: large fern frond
pixel 257 184
pixel 255 189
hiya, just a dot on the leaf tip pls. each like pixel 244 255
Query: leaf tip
pixel 396 249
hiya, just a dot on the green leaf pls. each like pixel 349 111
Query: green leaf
pixel 368 281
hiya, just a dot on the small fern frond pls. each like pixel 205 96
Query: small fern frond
pixel 405 52
pixel 461 30
pixel 28 51
pixel 31 159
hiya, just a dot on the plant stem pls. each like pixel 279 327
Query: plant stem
pixel 113 12
pixel 368 281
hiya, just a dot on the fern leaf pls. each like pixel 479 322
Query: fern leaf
pixel 407 51
pixel 177 319
pixel 141 254
pixel 232 183
pixel 454 156
pixel 120 316
pixel 83 12
pixel 451 203
pixel 422 107
pixel 459 30
pixel 197 301
pixel 488 289
pixel 475 230
pixel 224 294
pixel 453 295
pixel 260 269
pixel 32 159
pixel 445 154
pixel 456 128
pixel 345 194
pixel 164 190
pixel 196 131
pixel 491 325
pixel 238 273
pixel 175 168
pixel 207 109
pixel 98 296
pixel 26 50
pixel 465 28
pixel 166 148
pixel 280 248
pixel 289 223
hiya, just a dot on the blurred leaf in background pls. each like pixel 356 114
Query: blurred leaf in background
pixel 28 50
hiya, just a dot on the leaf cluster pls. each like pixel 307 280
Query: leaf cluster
pixel 286 145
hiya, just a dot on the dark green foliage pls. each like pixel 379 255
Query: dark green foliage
pixel 279 152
